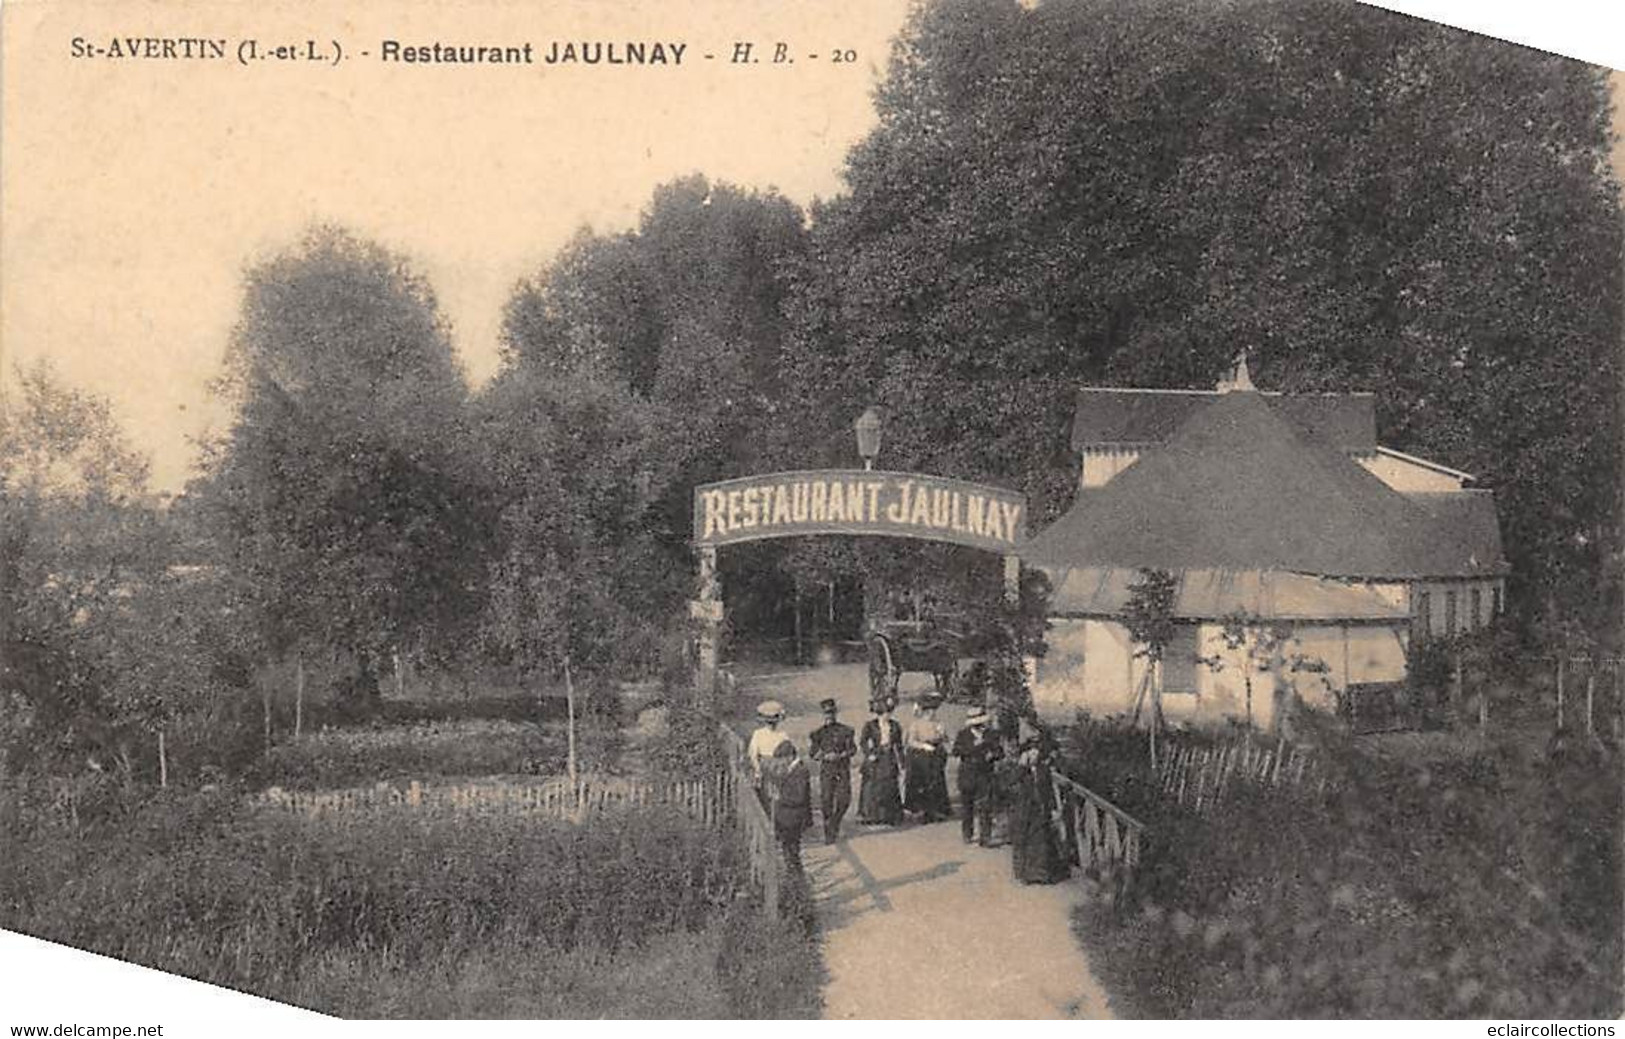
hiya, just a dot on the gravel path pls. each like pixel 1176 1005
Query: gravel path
pixel 919 925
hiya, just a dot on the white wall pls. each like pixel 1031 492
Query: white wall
pixel 1091 665
pixel 1406 475
pixel 1100 464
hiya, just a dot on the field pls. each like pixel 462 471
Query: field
pixel 395 912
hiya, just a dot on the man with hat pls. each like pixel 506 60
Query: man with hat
pixel 833 746
pixel 977 751
pixel 763 742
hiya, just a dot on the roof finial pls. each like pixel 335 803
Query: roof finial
pixel 1238 378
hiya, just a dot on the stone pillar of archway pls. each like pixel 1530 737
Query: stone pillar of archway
pixel 706 611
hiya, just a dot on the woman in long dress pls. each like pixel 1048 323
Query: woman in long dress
pixel 1035 852
pixel 881 744
pixel 926 785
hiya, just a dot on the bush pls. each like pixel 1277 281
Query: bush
pixel 768 968
pixel 1483 886
pixel 690 748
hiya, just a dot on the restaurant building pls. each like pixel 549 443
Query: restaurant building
pixel 1281 518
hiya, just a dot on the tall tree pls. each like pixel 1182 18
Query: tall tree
pixel 681 317
pixel 341 488
pixel 577 571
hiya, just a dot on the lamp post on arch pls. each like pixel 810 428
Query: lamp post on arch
pixel 867 427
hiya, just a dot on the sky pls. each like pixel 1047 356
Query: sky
pixel 134 193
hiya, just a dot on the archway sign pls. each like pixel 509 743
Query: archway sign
pixel 845 501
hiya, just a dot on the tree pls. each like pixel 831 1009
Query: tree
pixel 683 317
pixel 341 489
pixel 579 570
pixel 1149 617
pixel 82 548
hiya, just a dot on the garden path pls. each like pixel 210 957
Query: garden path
pixel 919 925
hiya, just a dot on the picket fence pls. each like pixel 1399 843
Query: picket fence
pixel 702 799
pixel 1200 777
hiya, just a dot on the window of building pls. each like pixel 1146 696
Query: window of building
pixel 1497 601
pixel 1450 613
pixel 1422 618
pixel 1179 661
pixel 1476 598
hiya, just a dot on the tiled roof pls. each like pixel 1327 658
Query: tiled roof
pixel 1240 485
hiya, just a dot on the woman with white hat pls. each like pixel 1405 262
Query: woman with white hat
pixel 925 790
pixel 763 742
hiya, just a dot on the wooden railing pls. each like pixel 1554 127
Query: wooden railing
pixel 1106 840
pixel 765 864
pixel 702 799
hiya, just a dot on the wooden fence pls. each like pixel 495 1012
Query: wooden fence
pixel 1106 840
pixel 1199 777
pixel 702 799
pixel 1590 694
pixel 726 801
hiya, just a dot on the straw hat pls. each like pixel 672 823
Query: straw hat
pixel 976 718
pixel 770 711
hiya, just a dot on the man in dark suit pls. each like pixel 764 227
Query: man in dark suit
pixel 833 746
pixel 978 751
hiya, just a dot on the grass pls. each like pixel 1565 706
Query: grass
pixel 1476 885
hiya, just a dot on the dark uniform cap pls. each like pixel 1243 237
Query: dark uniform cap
pixel 827 706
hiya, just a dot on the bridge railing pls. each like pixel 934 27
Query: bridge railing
pixel 1106 840
pixel 765 864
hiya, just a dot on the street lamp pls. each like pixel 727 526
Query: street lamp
pixel 868 429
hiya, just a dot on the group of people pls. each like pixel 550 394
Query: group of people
pixel 904 772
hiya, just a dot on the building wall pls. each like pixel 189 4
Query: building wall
pixel 1406 476
pixel 1091 665
pixel 1100 464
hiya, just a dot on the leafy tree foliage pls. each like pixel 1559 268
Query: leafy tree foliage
pixel 579 567
pixel 99 647
pixel 680 322
pixel 341 491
